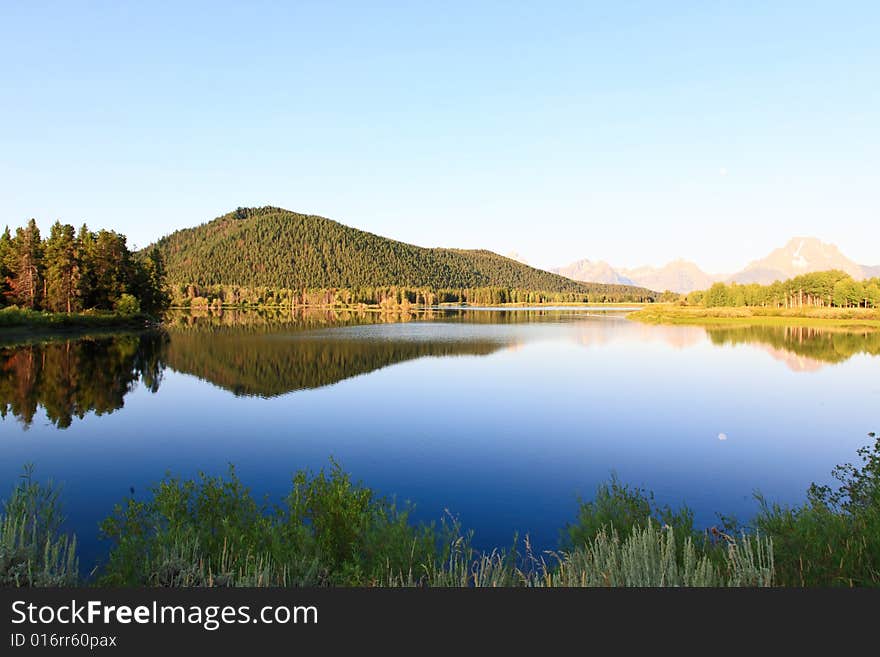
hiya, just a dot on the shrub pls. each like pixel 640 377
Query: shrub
pixel 833 539
pixel 328 530
pixel 622 507
pixel 127 304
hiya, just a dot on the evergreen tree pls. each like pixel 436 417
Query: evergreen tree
pixel 111 268
pixel 85 244
pixel 151 285
pixel 6 266
pixel 62 269
pixel 27 263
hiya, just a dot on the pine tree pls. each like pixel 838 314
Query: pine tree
pixel 85 245
pixel 62 269
pixel 151 285
pixel 6 266
pixel 28 266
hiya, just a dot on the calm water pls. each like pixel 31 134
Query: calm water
pixel 502 417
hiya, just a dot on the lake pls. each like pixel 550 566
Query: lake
pixel 501 417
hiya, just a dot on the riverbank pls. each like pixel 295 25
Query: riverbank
pixel 842 318
pixel 19 323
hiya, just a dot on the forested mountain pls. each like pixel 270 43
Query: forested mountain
pixel 275 248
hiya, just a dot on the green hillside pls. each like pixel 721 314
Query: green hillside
pixel 272 247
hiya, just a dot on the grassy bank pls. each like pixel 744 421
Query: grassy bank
pixel 21 321
pixel 845 318
pixel 331 531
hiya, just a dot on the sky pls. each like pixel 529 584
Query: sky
pixel 631 132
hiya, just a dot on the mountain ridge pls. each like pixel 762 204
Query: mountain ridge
pixel 277 248
pixel 598 272
pixel 800 255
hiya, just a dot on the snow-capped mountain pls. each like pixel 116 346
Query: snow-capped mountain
pixel 593 272
pixel 801 255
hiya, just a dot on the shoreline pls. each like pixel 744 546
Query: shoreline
pixel 746 316
pixel 412 306
pixel 34 326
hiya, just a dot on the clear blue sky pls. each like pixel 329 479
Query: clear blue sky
pixel 634 132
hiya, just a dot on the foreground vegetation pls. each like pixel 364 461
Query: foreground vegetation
pixel 330 531
pixel 33 550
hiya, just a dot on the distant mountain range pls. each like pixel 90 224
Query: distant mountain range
pixel 801 255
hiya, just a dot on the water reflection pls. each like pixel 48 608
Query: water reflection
pixel 266 354
pixel 801 348
pixel 71 378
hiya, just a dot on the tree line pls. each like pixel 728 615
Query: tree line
pixel 825 289
pixel 72 271
pixel 392 296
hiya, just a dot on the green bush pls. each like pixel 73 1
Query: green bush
pixel 127 304
pixel 622 507
pixel 833 539
pixel 327 531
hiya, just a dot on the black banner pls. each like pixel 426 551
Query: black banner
pixel 395 621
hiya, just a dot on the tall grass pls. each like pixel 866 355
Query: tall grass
pixel 33 551
pixel 646 556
